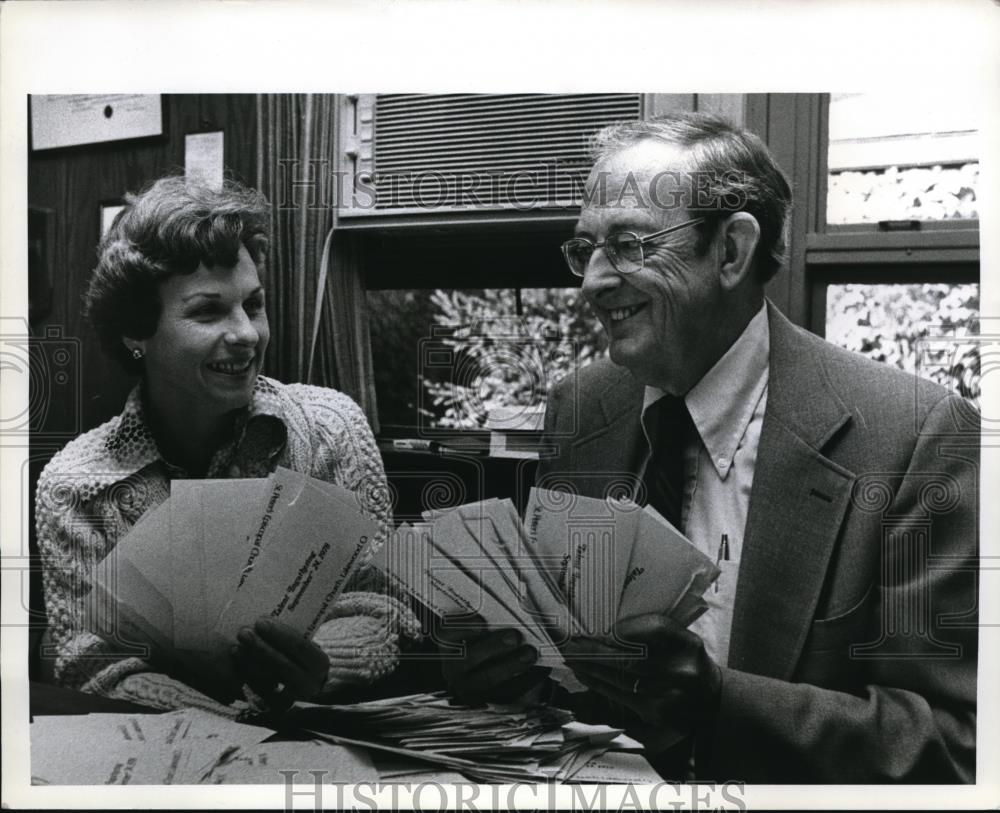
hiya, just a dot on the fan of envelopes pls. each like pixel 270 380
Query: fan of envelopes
pixel 489 743
pixel 575 567
pixel 217 554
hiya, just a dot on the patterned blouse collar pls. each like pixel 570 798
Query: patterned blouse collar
pixel 259 437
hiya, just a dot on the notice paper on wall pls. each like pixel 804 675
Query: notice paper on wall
pixel 70 119
pixel 203 161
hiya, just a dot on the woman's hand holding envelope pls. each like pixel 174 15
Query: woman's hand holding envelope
pixel 277 662
pixel 280 664
pixel 214 674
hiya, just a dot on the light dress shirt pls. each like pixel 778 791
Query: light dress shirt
pixel 727 407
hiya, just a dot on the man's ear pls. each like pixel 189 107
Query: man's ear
pixel 740 235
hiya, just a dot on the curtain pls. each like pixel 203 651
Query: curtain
pixel 296 156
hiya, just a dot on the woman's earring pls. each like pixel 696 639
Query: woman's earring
pixel 137 354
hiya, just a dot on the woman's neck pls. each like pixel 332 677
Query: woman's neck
pixel 186 434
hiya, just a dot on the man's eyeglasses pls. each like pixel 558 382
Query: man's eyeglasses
pixel 623 249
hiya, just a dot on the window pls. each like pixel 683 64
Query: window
pixel 898 157
pixel 444 358
pixel 888 323
pixel 884 235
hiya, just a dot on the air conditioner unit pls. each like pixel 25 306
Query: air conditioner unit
pixel 448 159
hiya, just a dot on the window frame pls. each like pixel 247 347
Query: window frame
pixel 931 234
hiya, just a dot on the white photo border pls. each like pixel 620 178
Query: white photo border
pixel 168 46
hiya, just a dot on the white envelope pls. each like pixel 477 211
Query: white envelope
pixel 301 557
pixel 210 524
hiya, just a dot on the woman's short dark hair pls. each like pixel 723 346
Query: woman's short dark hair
pixel 735 173
pixel 171 227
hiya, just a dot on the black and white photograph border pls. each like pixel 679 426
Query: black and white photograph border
pixel 441 46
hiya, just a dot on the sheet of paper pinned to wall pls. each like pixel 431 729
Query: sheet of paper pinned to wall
pixel 203 158
pixel 70 119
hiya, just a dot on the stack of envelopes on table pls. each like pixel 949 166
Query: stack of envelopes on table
pixel 573 568
pixel 490 743
pixel 218 554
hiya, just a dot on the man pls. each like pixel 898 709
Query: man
pixel 839 496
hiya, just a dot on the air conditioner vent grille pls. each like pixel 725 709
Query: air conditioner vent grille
pixel 467 151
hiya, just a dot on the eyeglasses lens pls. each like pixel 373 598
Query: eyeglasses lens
pixel 577 253
pixel 625 251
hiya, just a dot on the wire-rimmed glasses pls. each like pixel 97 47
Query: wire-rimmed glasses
pixel 623 249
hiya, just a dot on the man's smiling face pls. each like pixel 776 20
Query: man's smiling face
pixel 658 317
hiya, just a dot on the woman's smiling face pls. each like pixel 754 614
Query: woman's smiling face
pixel 210 340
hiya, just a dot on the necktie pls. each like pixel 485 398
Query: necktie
pixel 670 429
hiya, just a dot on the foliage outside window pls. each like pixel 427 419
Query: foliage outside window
pixel 908 193
pixel 891 323
pixel 445 358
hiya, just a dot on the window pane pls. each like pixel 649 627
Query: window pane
pixel 918 328
pixel 902 156
pixel 444 358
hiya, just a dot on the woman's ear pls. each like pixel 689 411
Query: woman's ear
pixel 135 347
pixel 740 234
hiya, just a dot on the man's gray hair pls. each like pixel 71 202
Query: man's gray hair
pixel 735 173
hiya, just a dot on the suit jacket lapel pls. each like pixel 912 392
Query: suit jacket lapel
pixel 797 504
pixel 609 453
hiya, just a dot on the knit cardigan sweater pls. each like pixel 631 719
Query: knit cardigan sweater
pixel 94 490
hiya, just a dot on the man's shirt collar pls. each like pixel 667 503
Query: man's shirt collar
pixel 723 402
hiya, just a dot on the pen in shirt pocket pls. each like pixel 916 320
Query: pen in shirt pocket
pixel 722 556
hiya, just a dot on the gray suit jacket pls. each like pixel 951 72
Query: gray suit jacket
pixel 853 649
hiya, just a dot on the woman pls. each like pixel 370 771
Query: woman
pixel 177 298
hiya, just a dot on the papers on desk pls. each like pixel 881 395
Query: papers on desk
pixel 487 744
pixel 575 567
pixel 263 763
pixel 181 747
pixel 218 554
pixel 414 738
